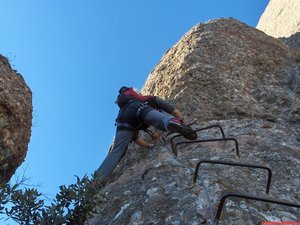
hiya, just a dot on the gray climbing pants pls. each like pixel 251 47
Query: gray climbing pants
pixel 157 119
pixel 123 138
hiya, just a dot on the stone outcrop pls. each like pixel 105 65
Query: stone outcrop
pixel 220 73
pixel 225 69
pixel 15 119
pixel 281 18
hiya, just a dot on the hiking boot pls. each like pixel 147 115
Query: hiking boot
pixel 176 126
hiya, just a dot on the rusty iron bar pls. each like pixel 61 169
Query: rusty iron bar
pixel 208 140
pixel 197 130
pixel 228 163
pixel 252 197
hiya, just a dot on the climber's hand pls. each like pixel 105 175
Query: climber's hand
pixel 156 136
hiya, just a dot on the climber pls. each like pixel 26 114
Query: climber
pixel 138 112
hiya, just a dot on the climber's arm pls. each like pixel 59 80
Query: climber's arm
pixel 177 114
pixel 142 143
pixel 139 140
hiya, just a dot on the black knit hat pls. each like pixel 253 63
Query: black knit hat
pixel 122 89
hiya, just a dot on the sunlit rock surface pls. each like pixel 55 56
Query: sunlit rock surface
pixel 219 73
pixel 15 119
pixel 281 18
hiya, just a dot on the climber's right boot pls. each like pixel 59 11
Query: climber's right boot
pixel 176 126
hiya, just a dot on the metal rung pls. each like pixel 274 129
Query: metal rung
pixel 235 164
pixel 208 140
pixel 252 197
pixel 197 130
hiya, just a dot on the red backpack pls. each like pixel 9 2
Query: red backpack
pixel 127 94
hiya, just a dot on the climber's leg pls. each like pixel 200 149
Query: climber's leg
pixel 122 140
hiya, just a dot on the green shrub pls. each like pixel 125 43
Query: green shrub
pixel 70 206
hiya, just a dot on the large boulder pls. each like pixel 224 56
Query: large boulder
pixel 15 119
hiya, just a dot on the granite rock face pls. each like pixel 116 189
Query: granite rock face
pixel 221 73
pixel 226 69
pixel 293 42
pixel 281 18
pixel 15 119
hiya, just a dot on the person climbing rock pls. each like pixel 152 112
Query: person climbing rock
pixel 138 112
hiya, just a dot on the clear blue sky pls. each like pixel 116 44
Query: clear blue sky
pixel 74 55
